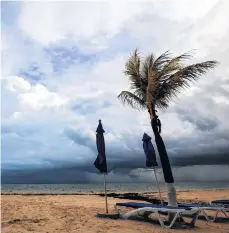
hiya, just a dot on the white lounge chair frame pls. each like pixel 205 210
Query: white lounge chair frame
pixel 177 214
pixel 218 210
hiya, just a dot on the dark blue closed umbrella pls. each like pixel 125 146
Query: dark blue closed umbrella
pixel 150 157
pixel 100 162
pixel 149 151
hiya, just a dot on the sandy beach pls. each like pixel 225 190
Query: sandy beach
pixel 77 213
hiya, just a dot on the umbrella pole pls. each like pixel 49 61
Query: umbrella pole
pixel 158 185
pixel 105 188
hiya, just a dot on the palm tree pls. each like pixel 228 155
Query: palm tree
pixel 154 83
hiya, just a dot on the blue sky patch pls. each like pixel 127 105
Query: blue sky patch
pixel 32 74
pixel 65 54
pixel 9 11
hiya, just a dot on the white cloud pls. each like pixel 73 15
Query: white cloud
pixel 184 10
pixel 93 24
pixel 33 97
pixel 17 115
pixel 221 100
pixel 40 97
pixel 100 20
pixel 17 84
pixel 205 35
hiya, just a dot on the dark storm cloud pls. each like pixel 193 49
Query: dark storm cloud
pixel 45 176
pixel 201 123
pixel 199 151
pixel 187 152
pixel 71 175
pixel 218 158
pixel 117 156
pixel 123 162
pixel 80 138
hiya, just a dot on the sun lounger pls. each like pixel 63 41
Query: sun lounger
pixel 144 210
pixel 204 208
pixel 224 203
pixel 220 202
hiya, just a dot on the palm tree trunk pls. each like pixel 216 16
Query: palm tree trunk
pixel 162 153
pixel 167 171
pixel 172 196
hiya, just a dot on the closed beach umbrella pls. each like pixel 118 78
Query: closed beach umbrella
pixel 101 162
pixel 149 151
pixel 150 157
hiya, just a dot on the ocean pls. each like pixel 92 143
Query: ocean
pixel 111 187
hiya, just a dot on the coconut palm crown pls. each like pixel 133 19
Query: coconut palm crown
pixel 166 77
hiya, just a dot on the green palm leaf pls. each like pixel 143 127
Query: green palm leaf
pixel 132 100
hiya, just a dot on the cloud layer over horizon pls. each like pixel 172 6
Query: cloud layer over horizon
pixel 62 71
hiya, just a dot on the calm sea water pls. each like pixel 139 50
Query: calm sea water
pixel 111 187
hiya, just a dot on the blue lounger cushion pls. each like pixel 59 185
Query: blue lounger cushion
pixel 192 205
pixel 195 205
pixel 142 205
pixel 222 202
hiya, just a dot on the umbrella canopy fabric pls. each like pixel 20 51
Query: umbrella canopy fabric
pixel 149 151
pixel 100 162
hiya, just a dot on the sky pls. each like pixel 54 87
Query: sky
pixel 61 71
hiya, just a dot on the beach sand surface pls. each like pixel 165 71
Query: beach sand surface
pixel 77 213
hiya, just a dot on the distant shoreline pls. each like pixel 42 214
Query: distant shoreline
pixel 110 192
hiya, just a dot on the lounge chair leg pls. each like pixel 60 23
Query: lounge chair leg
pixel 213 219
pixel 217 212
pixel 181 219
pixel 195 217
pixel 174 220
pixel 225 213
pixel 162 222
pixel 159 219
pixel 207 217
pixel 116 209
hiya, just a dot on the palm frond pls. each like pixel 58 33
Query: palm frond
pixel 192 72
pixel 132 66
pixel 132 100
pixel 132 70
pixel 148 76
pixel 140 93
pixel 173 65
pixel 162 104
pixel 182 79
pixel 147 67
pixel 166 93
pixel 163 59
pixel 152 88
